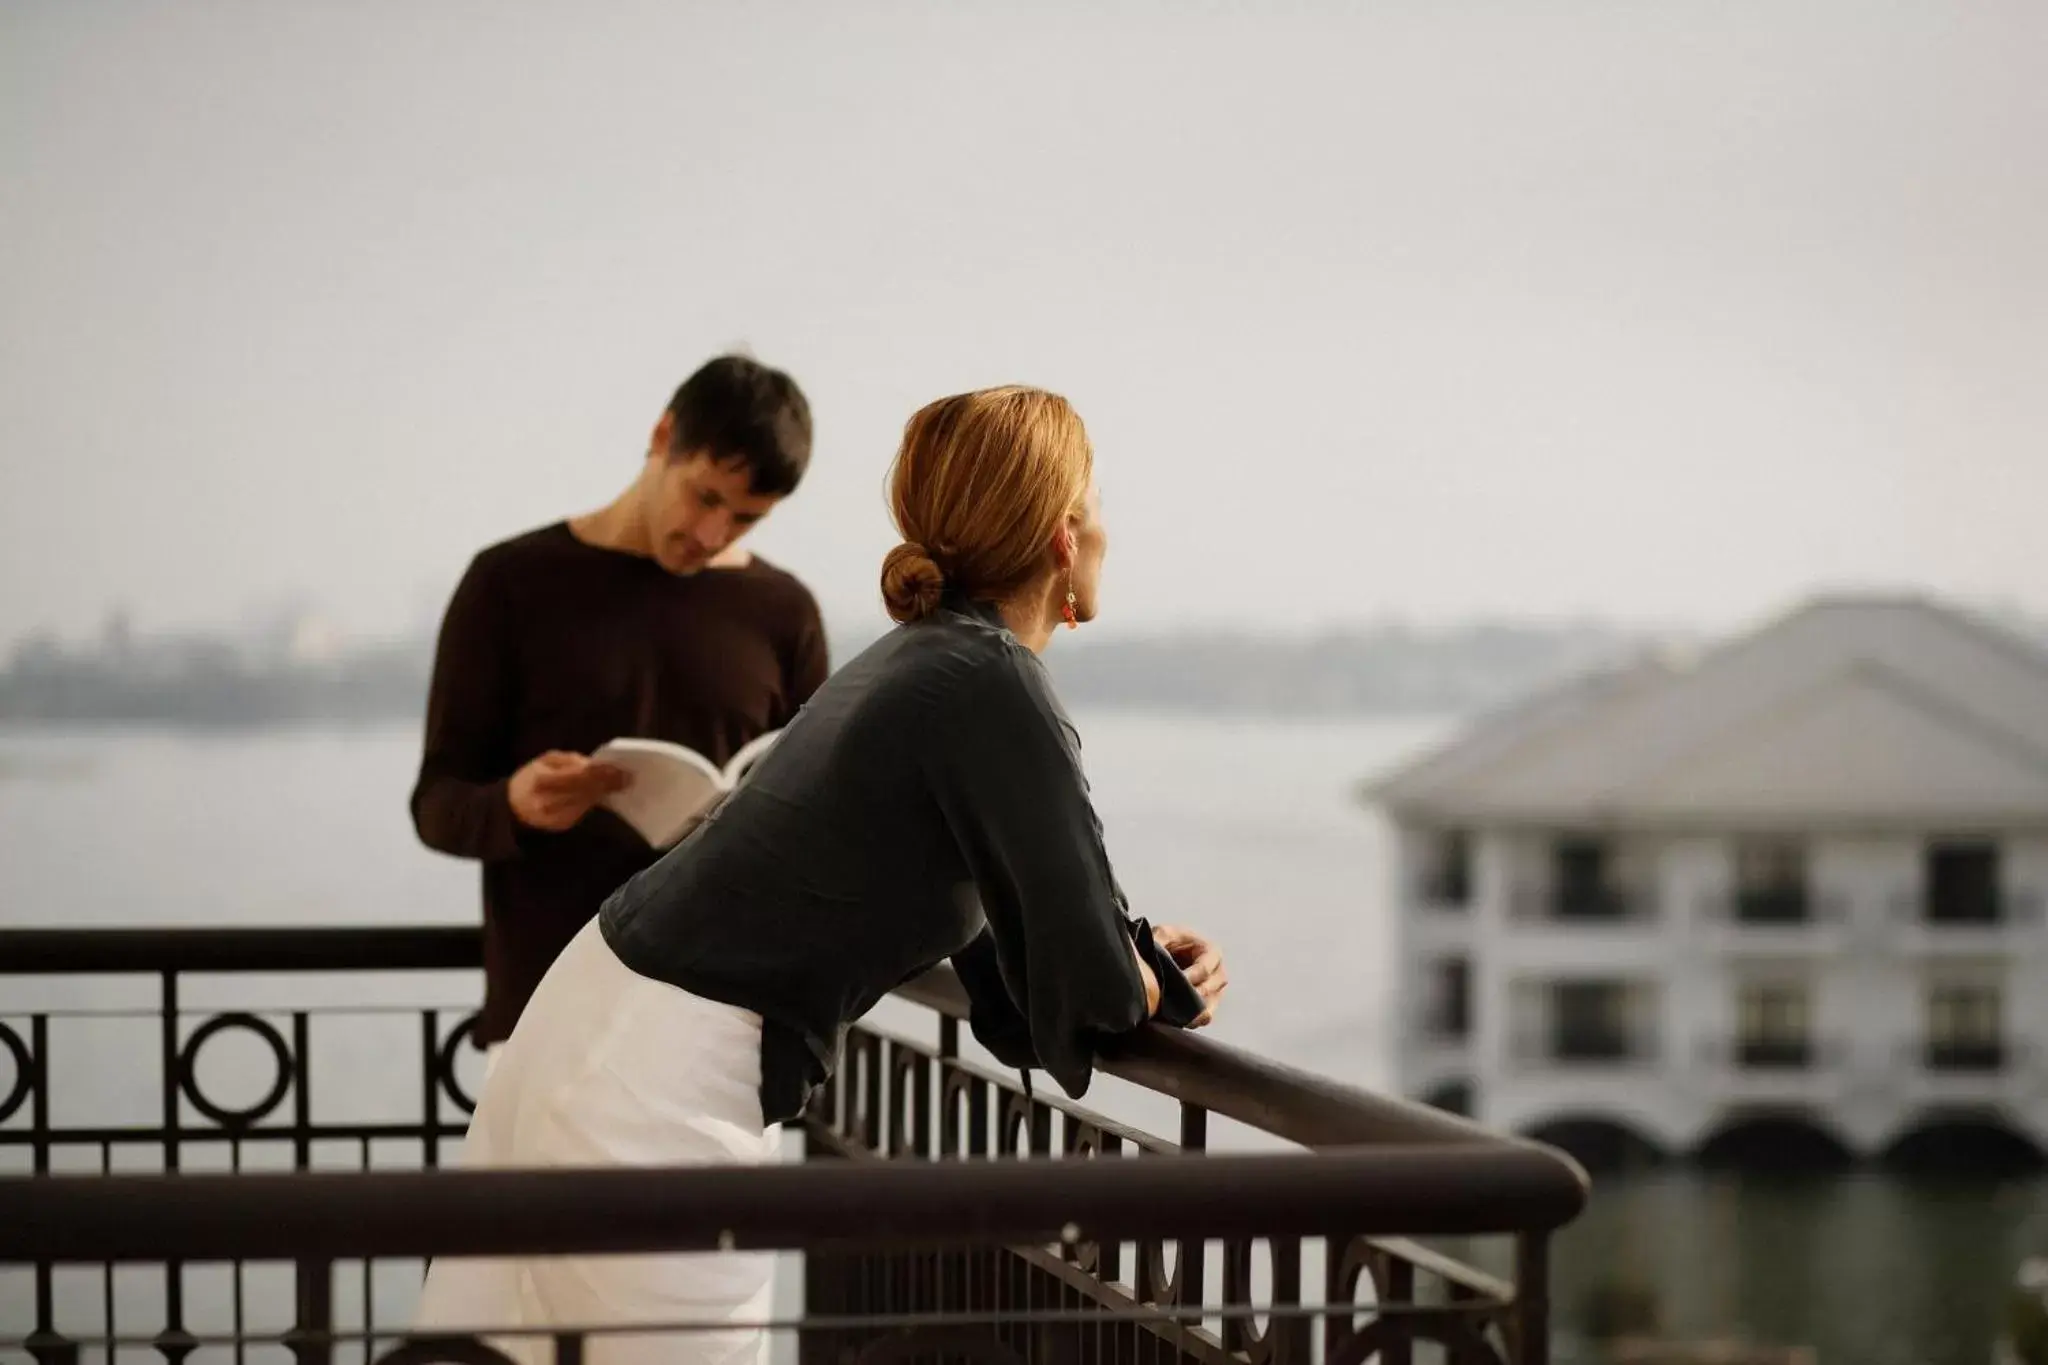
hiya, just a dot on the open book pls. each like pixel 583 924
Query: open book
pixel 671 784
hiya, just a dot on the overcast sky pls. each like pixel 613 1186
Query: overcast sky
pixel 1659 311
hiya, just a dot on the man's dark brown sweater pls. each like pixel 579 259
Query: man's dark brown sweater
pixel 550 643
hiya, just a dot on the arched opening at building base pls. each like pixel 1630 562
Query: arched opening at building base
pixel 1773 1143
pixel 1964 1145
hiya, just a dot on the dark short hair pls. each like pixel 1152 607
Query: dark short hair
pixel 735 408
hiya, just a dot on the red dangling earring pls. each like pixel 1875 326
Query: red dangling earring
pixel 1067 612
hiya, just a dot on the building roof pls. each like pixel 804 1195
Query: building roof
pixel 1847 710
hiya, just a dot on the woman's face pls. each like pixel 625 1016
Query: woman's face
pixel 1090 542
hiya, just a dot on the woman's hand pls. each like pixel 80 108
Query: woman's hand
pixel 1200 961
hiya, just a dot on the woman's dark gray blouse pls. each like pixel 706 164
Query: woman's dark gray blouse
pixel 927 803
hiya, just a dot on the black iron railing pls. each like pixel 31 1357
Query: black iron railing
pixel 1991 908
pixel 1771 908
pixel 942 1212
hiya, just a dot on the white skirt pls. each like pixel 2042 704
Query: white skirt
pixel 609 1068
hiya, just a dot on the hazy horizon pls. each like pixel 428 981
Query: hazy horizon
pixel 1664 316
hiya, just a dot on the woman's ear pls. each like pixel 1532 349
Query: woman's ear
pixel 1064 544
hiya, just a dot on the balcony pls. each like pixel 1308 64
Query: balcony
pixel 1773 1070
pixel 1775 1054
pixel 1588 906
pixel 2007 922
pixel 1772 905
pixel 1587 1050
pixel 1958 1058
pixel 1774 920
pixel 942 1211
pixel 1965 1072
pixel 1775 908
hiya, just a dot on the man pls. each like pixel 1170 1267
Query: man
pixel 643 618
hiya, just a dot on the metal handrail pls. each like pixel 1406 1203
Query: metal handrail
pixel 807 1206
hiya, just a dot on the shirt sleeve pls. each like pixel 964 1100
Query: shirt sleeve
pixel 459 803
pixel 1053 975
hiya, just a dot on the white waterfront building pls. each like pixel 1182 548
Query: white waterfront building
pixel 1781 901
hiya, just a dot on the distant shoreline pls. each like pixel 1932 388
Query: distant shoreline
pixel 214 684
pixel 27 727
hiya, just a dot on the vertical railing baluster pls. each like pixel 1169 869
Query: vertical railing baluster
pixel 369 1347
pixel 44 1343
pixel 369 1343
pixel 1289 1336
pixel 39 1092
pixel 46 1326
pixel 925 1130
pixel 1529 1339
pixel 1190 1281
pixel 1394 1281
pixel 430 1095
pixel 871 1092
pixel 169 1009
pixel 173 1343
pixel 312 1336
pixel 369 1310
pixel 302 1092
pixel 107 1267
pixel 235 1266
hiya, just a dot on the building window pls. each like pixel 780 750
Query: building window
pixel 1965 1026
pixel 1582 881
pixel 1450 1002
pixel 1593 1021
pixel 1770 882
pixel 1962 882
pixel 1773 1025
pixel 1447 875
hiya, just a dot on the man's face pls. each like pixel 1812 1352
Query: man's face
pixel 698 507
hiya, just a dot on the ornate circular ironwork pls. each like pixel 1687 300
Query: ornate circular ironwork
pixel 1017 1120
pixel 907 1101
pixel 1155 1282
pixel 24 1072
pixel 1160 1285
pixel 444 1065
pixel 1237 1289
pixel 1358 1266
pixel 188 1079
pixel 862 1074
pixel 956 1113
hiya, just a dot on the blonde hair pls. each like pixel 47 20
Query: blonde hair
pixel 979 488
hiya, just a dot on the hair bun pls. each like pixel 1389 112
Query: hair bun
pixel 912 583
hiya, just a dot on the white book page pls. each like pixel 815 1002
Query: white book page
pixel 749 754
pixel 670 785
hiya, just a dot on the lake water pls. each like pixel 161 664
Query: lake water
pixel 1246 829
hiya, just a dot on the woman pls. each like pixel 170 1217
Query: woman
pixel 927 804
